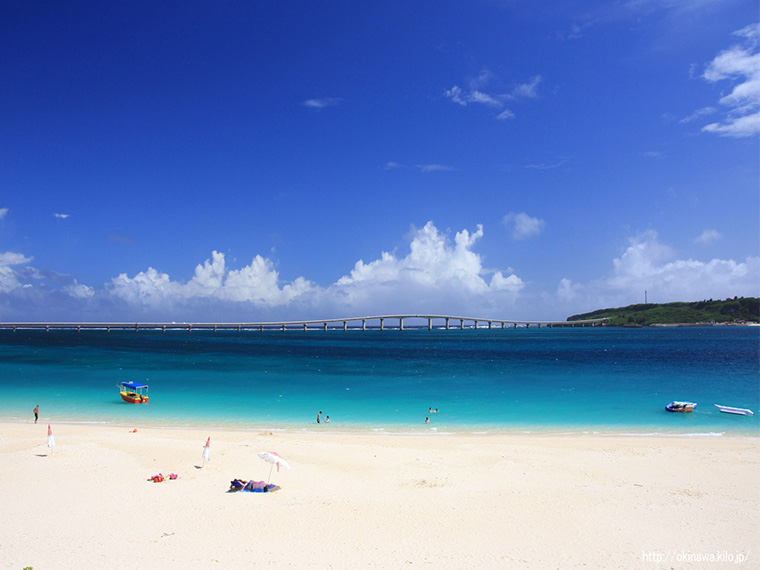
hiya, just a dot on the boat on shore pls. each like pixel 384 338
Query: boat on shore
pixel 133 392
pixel 735 411
pixel 683 407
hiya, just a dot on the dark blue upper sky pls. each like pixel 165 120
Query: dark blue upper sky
pixel 488 157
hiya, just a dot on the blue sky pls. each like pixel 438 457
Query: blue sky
pixel 276 160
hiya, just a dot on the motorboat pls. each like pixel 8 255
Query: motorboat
pixel 683 407
pixel 133 392
pixel 735 411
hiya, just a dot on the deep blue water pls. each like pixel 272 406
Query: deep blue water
pixel 538 380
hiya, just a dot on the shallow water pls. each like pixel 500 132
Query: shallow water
pixel 534 380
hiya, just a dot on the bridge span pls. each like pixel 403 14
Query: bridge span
pixel 383 322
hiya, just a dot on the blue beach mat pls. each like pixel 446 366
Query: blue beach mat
pixel 252 486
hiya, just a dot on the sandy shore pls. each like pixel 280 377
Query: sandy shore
pixel 375 501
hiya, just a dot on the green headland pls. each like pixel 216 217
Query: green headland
pixel 736 310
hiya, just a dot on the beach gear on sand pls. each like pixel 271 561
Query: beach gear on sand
pixel 51 439
pixel 206 452
pixel 252 486
pixel 274 459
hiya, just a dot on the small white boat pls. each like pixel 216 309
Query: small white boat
pixel 735 411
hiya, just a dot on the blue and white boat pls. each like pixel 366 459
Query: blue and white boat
pixel 683 407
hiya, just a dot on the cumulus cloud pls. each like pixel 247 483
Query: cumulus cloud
pixel 434 274
pixel 708 236
pixel 257 283
pixel 740 66
pixel 440 272
pixel 9 277
pixel 523 226
pixel 61 216
pixel 3 212
pixel 649 265
pixel 17 277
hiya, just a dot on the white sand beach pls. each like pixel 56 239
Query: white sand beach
pixel 355 500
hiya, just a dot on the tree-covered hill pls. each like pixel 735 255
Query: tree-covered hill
pixel 737 309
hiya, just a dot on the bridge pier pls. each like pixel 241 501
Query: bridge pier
pixel 400 324
pixel 382 326
pixel 345 326
pixel 430 324
pixel 447 323
pixel 364 324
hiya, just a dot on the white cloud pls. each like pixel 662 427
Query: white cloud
pixel 527 90
pixel 3 212
pixel 440 273
pixel 698 114
pixel 476 93
pixel 484 98
pixel 61 216
pixel 708 236
pixel 739 65
pixel 523 226
pixel 434 167
pixel 79 291
pixel 9 277
pixel 434 273
pixel 12 258
pixel 322 103
pixel 256 283
pixel 649 265
pixel 390 165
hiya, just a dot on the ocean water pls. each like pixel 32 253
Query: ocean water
pixel 518 380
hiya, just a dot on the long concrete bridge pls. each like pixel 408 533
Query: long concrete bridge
pixel 383 322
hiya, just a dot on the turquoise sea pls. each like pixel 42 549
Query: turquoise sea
pixel 519 380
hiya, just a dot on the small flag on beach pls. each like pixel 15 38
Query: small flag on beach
pixel 51 439
pixel 206 452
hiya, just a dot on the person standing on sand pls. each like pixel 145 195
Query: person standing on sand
pixel 318 415
pixel 36 412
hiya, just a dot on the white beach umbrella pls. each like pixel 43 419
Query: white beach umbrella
pixel 51 439
pixel 206 452
pixel 274 459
